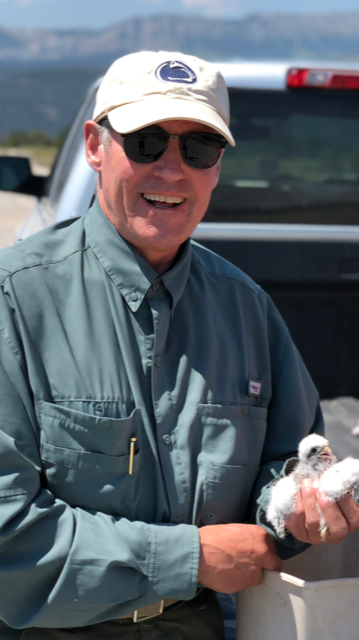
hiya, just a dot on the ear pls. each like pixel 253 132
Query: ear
pixel 94 147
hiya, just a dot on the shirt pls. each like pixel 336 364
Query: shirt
pixel 96 349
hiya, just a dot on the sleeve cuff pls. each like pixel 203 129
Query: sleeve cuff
pixel 173 562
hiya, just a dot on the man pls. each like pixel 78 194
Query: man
pixel 149 389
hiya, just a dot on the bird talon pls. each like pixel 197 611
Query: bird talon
pixel 324 533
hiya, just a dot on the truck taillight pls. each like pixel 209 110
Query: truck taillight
pixel 323 79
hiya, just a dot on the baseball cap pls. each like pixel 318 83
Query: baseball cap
pixel 148 87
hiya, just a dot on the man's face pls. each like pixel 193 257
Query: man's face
pixel 127 190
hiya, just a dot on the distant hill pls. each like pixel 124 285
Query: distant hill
pixel 42 99
pixel 44 73
pixel 256 36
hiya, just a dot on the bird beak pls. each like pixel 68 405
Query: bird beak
pixel 326 453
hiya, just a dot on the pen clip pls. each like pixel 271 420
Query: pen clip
pixel 132 454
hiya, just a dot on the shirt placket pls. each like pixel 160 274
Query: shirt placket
pixel 164 411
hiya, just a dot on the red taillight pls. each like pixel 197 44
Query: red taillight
pixel 323 79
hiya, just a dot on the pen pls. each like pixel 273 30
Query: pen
pixel 132 453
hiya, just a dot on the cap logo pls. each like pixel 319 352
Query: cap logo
pixel 175 71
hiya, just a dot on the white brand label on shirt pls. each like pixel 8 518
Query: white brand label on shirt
pixel 254 388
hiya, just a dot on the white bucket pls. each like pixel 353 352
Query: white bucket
pixel 316 597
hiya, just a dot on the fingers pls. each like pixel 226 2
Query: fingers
pixel 312 514
pixel 257 578
pixel 336 522
pixel 273 563
pixel 269 559
pixel 350 511
pixel 341 517
pixel 296 522
pixel 305 522
pixel 270 543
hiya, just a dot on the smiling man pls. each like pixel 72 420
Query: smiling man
pixel 149 390
pixel 156 206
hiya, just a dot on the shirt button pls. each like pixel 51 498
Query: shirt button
pixel 134 297
pixel 167 439
pixel 245 411
pixel 211 516
pixel 158 361
pixel 105 424
pixel 179 520
pixel 155 285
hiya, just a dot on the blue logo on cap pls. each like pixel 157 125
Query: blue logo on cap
pixel 175 71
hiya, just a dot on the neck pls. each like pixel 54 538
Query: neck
pixel 160 262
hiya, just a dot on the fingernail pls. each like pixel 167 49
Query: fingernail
pixel 307 484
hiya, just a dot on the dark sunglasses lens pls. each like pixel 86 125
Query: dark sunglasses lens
pixel 145 146
pixel 201 150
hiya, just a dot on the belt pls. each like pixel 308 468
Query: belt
pixel 150 611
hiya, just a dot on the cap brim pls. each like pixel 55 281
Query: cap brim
pixel 136 115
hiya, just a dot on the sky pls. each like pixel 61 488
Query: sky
pixel 70 14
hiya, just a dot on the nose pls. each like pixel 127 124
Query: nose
pixel 170 166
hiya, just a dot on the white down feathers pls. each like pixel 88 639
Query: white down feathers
pixel 316 461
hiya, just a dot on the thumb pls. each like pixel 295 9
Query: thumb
pixel 272 562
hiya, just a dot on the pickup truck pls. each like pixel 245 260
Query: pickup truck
pixel 286 209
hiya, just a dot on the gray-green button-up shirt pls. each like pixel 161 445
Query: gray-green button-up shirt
pixel 196 366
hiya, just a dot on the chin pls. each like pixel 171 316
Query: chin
pixel 155 239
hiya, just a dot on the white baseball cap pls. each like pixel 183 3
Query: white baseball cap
pixel 145 88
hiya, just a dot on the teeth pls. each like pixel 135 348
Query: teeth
pixel 168 199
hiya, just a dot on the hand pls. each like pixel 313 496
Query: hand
pixel 233 555
pixel 341 517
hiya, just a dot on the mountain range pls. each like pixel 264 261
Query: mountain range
pixel 255 36
pixel 44 73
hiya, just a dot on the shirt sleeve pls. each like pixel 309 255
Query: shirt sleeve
pixel 293 413
pixel 68 567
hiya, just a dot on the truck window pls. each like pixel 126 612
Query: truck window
pixel 74 141
pixel 296 159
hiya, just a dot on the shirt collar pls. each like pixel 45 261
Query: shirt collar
pixel 128 270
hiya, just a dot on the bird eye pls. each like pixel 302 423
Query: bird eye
pixel 314 450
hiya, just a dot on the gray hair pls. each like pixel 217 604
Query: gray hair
pixel 105 132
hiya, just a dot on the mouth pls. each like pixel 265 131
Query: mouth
pixel 326 454
pixel 161 201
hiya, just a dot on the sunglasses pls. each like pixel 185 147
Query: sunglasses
pixel 199 150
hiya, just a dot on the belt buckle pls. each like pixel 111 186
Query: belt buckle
pixel 135 617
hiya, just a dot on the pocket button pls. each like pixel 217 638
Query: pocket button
pixel 105 424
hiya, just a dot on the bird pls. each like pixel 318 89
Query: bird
pixel 340 479
pixel 335 482
pixel 314 458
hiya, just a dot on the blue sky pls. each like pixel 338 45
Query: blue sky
pixel 94 14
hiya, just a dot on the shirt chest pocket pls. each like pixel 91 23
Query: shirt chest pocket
pixel 86 460
pixel 232 434
pixel 232 444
